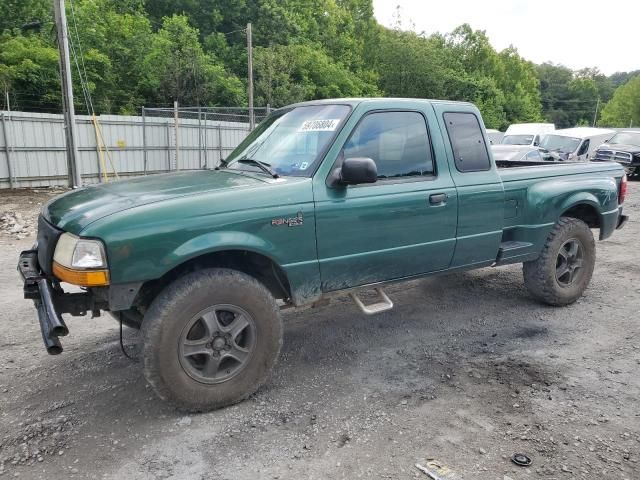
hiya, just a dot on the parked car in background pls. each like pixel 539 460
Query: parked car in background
pixel 526 133
pixel 624 148
pixel 516 153
pixel 494 136
pixel 574 144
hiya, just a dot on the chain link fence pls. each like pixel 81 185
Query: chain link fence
pixel 33 153
pixel 194 137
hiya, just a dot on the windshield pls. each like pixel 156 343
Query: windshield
pixel 517 140
pixel 558 143
pixel 626 138
pixel 289 141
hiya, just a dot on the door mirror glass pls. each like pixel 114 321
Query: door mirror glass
pixel 358 170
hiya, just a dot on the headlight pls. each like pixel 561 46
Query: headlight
pixel 80 261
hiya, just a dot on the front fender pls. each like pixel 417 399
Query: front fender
pixel 217 242
pixel 303 277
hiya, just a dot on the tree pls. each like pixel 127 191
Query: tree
pixel 113 37
pixel 292 73
pixel 29 71
pixel 521 88
pixel 623 110
pixel 177 68
pixel 14 14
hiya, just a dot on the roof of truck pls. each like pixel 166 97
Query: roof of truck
pixel 582 132
pixel 356 100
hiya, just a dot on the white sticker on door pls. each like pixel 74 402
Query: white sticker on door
pixel 328 125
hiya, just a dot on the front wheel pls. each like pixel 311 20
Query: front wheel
pixel 210 339
pixel 562 272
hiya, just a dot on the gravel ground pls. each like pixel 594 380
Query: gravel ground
pixel 465 371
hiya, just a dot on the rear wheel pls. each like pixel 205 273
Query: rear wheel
pixel 562 272
pixel 210 339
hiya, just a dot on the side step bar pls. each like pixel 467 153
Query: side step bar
pixel 379 307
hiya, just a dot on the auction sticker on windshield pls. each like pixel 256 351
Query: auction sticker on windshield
pixel 328 125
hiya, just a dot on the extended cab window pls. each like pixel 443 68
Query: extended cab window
pixel 397 141
pixel 467 142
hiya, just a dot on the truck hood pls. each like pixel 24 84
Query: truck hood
pixel 619 147
pixel 76 209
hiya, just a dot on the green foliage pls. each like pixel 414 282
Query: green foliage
pixel 292 73
pixel 150 52
pixel 14 14
pixel 460 66
pixel 623 110
pixel 29 72
pixel 571 98
pixel 176 67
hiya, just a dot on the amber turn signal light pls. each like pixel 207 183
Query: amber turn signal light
pixel 83 278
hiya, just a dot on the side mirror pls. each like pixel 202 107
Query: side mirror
pixel 358 170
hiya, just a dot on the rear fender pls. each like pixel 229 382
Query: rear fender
pixel 548 200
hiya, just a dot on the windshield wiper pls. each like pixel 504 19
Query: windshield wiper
pixel 264 166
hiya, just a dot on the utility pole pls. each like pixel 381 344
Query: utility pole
pixel 252 121
pixel 67 94
pixel 595 117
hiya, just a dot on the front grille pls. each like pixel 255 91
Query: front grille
pixel 47 238
pixel 623 157
pixel 613 155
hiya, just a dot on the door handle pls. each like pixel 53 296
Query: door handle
pixel 437 198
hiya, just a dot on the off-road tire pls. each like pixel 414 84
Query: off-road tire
pixel 176 306
pixel 540 274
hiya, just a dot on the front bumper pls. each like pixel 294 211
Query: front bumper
pixel 51 301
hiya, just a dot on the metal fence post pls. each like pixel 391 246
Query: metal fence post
pixel 168 142
pixel 206 156
pixel 176 132
pixel 220 144
pixel 199 138
pixel 268 109
pixel 144 141
pixel 7 149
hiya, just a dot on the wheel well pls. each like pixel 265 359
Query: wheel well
pixel 585 212
pixel 262 268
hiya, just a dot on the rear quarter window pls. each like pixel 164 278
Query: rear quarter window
pixel 467 142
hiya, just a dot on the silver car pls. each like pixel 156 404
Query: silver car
pixel 516 153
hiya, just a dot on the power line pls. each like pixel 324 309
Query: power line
pixel 83 81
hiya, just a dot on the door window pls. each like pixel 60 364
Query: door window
pixel 397 141
pixel 467 142
pixel 584 148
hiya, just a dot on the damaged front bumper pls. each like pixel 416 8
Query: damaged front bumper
pixel 51 301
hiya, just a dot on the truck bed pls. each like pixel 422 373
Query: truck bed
pixel 511 171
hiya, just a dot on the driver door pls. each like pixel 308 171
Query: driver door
pixel 400 226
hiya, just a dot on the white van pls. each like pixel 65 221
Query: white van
pixel 495 136
pixel 528 134
pixel 574 144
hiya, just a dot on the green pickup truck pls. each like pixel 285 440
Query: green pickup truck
pixel 322 198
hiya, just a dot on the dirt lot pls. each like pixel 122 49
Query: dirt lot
pixel 467 370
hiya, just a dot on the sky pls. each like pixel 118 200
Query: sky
pixel 574 33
